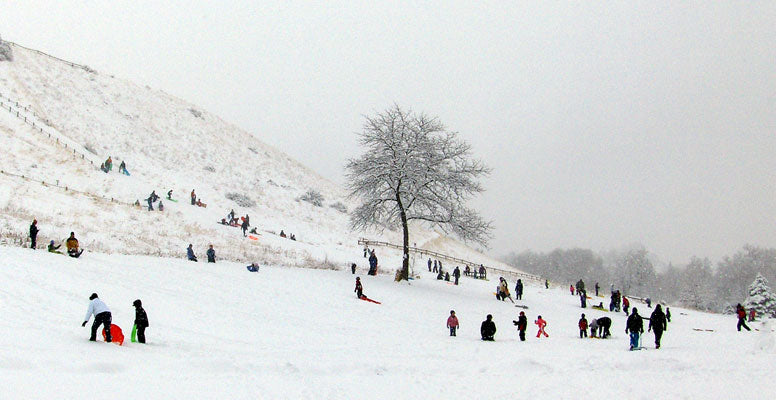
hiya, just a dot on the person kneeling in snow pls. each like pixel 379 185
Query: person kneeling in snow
pixel 488 328
pixel 190 253
pixel 102 316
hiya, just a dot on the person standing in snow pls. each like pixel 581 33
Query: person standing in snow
pixel 625 304
pixel 634 325
pixel 657 322
pixel 429 262
pixel 141 320
pixel 211 254
pixel 245 225
pixel 582 326
pixel 372 263
pixel 161 206
pixel 193 198
pixel 102 316
pixel 452 323
pixel 596 289
pixel 522 325
pixel 488 329
pixel 752 314
pixel 571 289
pixel 122 167
pixel 435 266
pixel 190 253
pixel 668 314
pixel 353 268
pixel 541 324
pixel 34 234
pixel 456 274
pixel 546 284
pixel 583 298
pixel 359 289
pixel 593 327
pixel 519 290
pixel 741 312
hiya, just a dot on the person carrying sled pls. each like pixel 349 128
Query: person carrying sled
pixel 102 316
pixel 522 325
pixel 359 289
pixel 54 249
pixel 34 234
pixel 190 253
pixel 741 312
pixel 582 326
pixel 211 255
pixel 141 322
pixel 72 246
pixel 452 323
pixel 541 324
pixel 488 329
pixel 634 325
pixel 657 323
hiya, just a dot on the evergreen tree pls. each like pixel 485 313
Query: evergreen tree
pixel 761 299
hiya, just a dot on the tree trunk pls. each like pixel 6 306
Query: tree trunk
pixel 405 265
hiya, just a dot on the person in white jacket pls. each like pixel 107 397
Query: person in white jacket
pixel 102 316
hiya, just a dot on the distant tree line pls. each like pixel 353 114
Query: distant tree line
pixel 699 284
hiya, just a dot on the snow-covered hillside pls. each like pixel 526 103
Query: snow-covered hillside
pixel 218 331
pixel 167 143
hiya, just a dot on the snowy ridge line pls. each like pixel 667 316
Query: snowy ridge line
pixel 72 64
pixel 30 117
pixel 438 255
pixel 66 188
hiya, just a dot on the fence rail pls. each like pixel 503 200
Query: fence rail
pixel 442 256
pixel 66 188
pixel 72 64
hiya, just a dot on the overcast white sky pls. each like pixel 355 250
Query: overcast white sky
pixel 605 124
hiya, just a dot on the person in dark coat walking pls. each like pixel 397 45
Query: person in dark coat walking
pixel 657 322
pixel 353 268
pixel 668 314
pixel 34 234
pixel 741 312
pixel 457 274
pixel 102 316
pixel 190 253
pixel 211 254
pixel 522 325
pixel 488 328
pixel 634 325
pixel 245 224
pixel 372 263
pixel 141 321
pixel 519 290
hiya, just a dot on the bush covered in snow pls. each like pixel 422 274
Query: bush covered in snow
pixel 340 207
pixel 313 197
pixel 241 199
pixel 5 51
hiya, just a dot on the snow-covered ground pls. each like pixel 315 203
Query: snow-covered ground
pixel 218 331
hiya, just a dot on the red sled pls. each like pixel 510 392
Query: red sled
pixel 363 298
pixel 116 335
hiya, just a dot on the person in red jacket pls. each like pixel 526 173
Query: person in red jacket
pixel 571 288
pixel 625 304
pixel 741 312
pixel 541 324
pixel 582 327
pixel 452 322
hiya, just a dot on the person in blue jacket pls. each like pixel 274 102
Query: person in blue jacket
pixel 102 316
pixel 190 253
pixel 211 255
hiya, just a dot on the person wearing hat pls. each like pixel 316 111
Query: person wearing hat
pixel 635 326
pixel 141 322
pixel 54 249
pixel 72 246
pixel 359 289
pixel 102 316
pixel 522 325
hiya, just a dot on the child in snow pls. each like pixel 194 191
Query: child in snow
pixel 571 288
pixel 53 249
pixel 102 316
pixel 359 289
pixel 541 324
pixel 522 325
pixel 452 322
pixel 582 327
pixel 625 304
pixel 593 327
pixel 141 322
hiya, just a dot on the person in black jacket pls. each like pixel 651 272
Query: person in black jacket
pixel 519 290
pixel 211 254
pixel 635 326
pixel 522 325
pixel 488 328
pixel 141 320
pixel 604 323
pixel 657 322
pixel 34 234
pixel 457 274
pixel 245 224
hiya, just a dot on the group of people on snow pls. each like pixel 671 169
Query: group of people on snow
pixel 211 254
pixel 71 242
pixel 103 316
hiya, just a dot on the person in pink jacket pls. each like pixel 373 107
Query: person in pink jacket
pixel 541 324
pixel 452 322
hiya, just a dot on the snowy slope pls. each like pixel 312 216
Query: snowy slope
pixel 218 331
pixel 167 144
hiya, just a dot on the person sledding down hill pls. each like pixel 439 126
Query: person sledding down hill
pixel 360 292
pixel 54 249
pixel 72 246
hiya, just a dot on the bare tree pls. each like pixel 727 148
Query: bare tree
pixel 413 169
